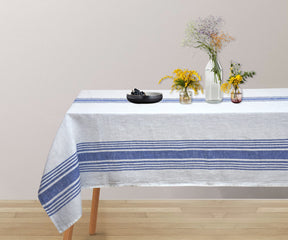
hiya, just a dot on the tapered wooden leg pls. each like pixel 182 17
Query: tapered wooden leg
pixel 68 233
pixel 94 211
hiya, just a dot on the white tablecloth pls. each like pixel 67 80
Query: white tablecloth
pixel 104 140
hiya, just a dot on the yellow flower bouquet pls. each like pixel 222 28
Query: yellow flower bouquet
pixel 236 78
pixel 183 80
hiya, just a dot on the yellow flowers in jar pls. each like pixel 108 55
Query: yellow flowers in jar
pixel 184 80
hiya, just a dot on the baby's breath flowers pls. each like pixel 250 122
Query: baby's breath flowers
pixel 205 34
pixel 236 78
pixel 184 80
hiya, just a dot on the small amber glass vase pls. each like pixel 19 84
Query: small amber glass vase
pixel 236 95
pixel 185 97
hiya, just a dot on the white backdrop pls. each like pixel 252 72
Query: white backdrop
pixel 50 50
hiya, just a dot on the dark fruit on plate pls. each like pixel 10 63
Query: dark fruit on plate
pixel 137 92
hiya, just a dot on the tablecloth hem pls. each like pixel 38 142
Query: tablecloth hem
pixel 216 184
pixel 64 228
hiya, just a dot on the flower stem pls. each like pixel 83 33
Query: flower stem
pixel 216 69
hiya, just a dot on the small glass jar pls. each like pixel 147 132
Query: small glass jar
pixel 185 97
pixel 236 95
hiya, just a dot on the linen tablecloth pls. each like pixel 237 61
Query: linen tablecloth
pixel 104 140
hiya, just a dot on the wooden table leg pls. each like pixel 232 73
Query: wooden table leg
pixel 68 233
pixel 94 211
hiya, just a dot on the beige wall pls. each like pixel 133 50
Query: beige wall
pixel 50 50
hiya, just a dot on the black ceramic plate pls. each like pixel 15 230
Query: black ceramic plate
pixel 149 97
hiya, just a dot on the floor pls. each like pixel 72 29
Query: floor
pixel 160 220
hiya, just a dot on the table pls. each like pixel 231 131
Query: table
pixel 104 140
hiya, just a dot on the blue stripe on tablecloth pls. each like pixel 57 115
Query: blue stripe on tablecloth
pixel 181 168
pixel 52 204
pixel 59 174
pixel 74 194
pixel 183 144
pixel 59 168
pixel 176 100
pixel 189 141
pixel 58 188
pixel 196 161
pixel 100 100
pixel 184 154
pixel 175 148
pixel 186 164
pixel 194 147
pixel 64 199
pixel 173 142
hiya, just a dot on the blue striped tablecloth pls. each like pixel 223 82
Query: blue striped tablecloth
pixel 104 140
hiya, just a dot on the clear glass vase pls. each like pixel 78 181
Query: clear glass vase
pixel 236 95
pixel 185 97
pixel 213 93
